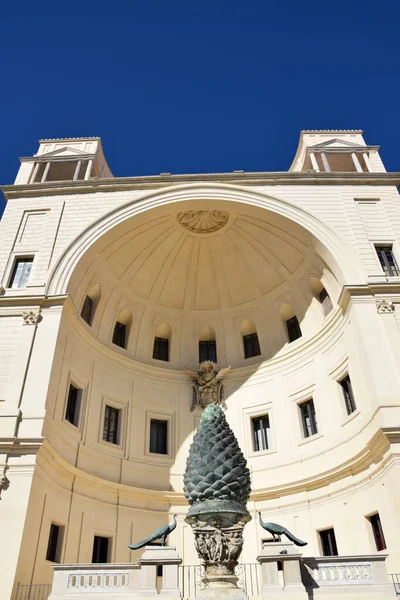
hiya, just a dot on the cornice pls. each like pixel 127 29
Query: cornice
pixel 15 305
pixel 167 179
pixel 372 454
pixel 17 446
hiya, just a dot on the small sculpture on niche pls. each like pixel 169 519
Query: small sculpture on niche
pixel 208 385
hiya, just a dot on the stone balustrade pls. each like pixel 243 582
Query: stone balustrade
pixel 282 567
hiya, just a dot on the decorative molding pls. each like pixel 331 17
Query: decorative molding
pixel 32 317
pixel 203 221
pixel 384 307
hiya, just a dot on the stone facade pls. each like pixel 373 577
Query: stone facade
pixel 284 237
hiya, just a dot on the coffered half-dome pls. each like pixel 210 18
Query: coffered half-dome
pixel 212 263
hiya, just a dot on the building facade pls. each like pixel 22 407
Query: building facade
pixel 111 287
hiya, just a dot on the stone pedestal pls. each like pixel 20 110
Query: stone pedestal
pixel 289 556
pixel 166 556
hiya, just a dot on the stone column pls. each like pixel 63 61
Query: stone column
pixel 368 162
pixel 356 162
pixel 46 172
pixel 314 162
pixel 325 162
pixel 89 167
pixel 77 170
pixel 34 172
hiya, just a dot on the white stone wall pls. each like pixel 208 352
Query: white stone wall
pixel 335 479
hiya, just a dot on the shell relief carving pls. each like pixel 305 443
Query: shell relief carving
pixel 203 221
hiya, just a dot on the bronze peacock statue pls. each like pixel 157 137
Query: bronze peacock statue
pixel 277 530
pixel 161 533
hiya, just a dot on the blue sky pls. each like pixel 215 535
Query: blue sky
pixel 199 86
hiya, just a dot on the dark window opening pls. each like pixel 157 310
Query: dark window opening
pixel 293 328
pixel 308 418
pixel 377 531
pixel 111 422
pixel 100 549
pixel 251 345
pixel 20 273
pixel 52 553
pixel 73 405
pixel 328 542
pixel 87 310
pixel 387 260
pixel 161 349
pixel 119 335
pixel 348 395
pixel 260 432
pixel 208 351
pixel 158 436
pixel 325 301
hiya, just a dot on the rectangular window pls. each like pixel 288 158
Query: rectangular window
pixel 377 531
pixel 328 542
pixel 251 345
pixel 309 421
pixel 293 329
pixel 100 549
pixel 261 431
pixel 87 310
pixel 54 544
pixel 160 349
pixel 111 423
pixel 387 260
pixel 158 436
pixel 208 351
pixel 73 405
pixel 348 395
pixel 119 335
pixel 325 301
pixel 20 273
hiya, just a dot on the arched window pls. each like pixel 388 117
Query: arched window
pixel 321 295
pixel 162 341
pixel 121 328
pixel 90 304
pixel 292 324
pixel 251 344
pixel 207 344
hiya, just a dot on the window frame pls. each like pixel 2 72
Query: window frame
pixel 380 533
pixel 350 393
pixel 109 548
pixel 383 259
pixel 267 436
pixel 81 386
pixel 116 411
pixel 122 406
pixel 253 412
pixel 78 404
pixel 153 420
pixel 29 259
pixel 293 319
pixel 125 334
pixel 159 339
pixel 208 356
pixel 92 309
pixel 326 303
pixel 251 337
pixel 160 416
pixel 309 400
pixel 59 543
pixel 331 545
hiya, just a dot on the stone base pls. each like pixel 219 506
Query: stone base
pixel 222 593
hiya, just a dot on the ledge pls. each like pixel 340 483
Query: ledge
pixel 164 180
